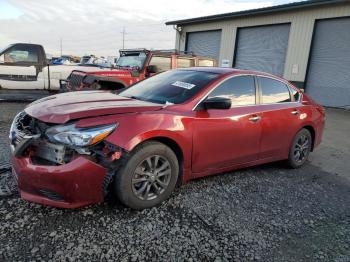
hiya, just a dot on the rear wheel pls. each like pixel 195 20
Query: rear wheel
pixel 148 177
pixel 300 149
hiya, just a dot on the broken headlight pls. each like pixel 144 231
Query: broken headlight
pixel 78 137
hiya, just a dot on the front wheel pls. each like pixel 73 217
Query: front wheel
pixel 300 149
pixel 148 177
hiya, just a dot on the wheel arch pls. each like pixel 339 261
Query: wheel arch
pixel 174 146
pixel 312 131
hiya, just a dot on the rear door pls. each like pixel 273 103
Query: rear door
pixel 19 66
pixel 226 137
pixel 280 118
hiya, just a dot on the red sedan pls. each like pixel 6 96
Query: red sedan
pixel 71 149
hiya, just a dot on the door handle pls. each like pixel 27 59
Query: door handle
pixel 295 112
pixel 255 118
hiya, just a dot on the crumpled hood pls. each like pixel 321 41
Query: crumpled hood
pixel 61 108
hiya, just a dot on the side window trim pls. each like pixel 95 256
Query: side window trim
pixel 257 90
pixel 218 84
pixel 291 94
pixel 257 77
pixel 258 97
pixel 292 98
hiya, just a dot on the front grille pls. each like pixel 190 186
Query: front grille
pixel 75 80
pixel 50 195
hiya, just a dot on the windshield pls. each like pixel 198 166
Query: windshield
pixel 135 59
pixel 174 86
pixel 3 49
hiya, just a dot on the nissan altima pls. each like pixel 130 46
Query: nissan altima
pixel 70 150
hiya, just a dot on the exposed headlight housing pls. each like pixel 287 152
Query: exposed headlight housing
pixel 79 137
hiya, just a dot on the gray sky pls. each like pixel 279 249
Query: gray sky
pixel 95 26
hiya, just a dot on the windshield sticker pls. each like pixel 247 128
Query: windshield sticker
pixel 142 54
pixel 183 85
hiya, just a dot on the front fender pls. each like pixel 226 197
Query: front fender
pixel 135 129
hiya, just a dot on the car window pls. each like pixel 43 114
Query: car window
pixel 132 59
pixel 184 62
pixel 205 62
pixel 161 62
pixel 240 89
pixel 174 86
pixel 19 54
pixel 273 91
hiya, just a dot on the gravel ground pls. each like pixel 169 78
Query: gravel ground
pixel 266 213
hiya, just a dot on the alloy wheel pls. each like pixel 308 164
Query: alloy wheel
pixel 301 148
pixel 151 177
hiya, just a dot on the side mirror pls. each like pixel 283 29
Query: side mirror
pixel 151 69
pixel 217 103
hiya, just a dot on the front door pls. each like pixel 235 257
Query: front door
pixel 226 137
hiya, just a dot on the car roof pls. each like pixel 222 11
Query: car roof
pixel 226 70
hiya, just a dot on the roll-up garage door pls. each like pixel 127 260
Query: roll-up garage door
pixel 205 43
pixel 328 78
pixel 262 48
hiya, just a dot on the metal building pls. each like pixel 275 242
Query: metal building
pixel 306 42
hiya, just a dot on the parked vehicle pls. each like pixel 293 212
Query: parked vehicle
pixel 70 149
pixel 101 62
pixel 25 66
pixel 133 66
pixel 66 60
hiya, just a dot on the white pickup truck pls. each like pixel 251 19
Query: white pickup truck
pixel 24 66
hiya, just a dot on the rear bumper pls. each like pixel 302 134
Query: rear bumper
pixel 72 185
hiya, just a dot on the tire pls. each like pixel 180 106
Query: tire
pixel 300 149
pixel 135 178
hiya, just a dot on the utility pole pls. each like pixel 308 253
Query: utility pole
pixel 123 33
pixel 61 45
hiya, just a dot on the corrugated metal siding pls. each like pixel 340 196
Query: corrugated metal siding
pixel 301 31
pixel 328 80
pixel 263 48
pixel 204 43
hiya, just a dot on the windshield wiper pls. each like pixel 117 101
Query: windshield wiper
pixel 147 100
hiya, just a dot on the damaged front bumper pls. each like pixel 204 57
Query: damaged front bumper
pixel 57 175
pixel 75 184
